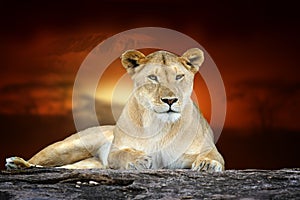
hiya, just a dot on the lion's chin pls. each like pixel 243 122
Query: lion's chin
pixel 169 117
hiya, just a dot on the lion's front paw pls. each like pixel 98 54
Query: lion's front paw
pixel 140 162
pixel 129 159
pixel 207 164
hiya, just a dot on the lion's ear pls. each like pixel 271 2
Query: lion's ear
pixel 193 59
pixel 131 60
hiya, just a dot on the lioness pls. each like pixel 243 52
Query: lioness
pixel 160 127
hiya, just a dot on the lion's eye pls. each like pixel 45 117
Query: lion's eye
pixel 153 77
pixel 179 76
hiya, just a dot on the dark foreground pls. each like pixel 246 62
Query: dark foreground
pixel 159 184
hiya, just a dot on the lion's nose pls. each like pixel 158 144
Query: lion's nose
pixel 169 101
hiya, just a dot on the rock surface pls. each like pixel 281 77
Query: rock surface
pixel 52 183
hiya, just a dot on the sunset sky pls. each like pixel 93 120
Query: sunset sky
pixel 255 45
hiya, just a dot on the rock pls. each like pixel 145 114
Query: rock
pixel 53 183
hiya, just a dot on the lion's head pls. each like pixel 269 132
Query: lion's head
pixel 163 81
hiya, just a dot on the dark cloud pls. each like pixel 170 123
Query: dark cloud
pixel 235 18
pixel 38 98
pixel 271 103
pixel 272 85
pixel 17 87
pixel 76 43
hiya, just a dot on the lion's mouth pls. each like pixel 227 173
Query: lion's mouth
pixel 168 114
pixel 171 111
pixel 166 110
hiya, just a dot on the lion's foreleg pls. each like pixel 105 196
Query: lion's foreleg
pixel 129 159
